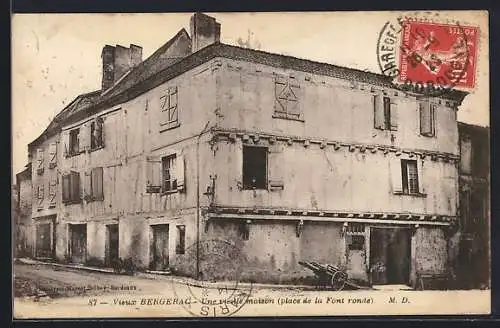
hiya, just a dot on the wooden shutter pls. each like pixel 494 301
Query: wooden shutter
pixel 53 155
pixel 426 119
pixel 40 160
pixel 99 131
pixel 280 85
pixel 87 186
pixel 378 112
pixel 293 101
pixel 153 175
pixel 66 186
pixel 396 175
pixel 52 190
pixel 65 142
pixel 84 137
pixel 420 176
pixel 394 115
pixel 180 171
pixel 75 186
pixel 275 167
pixel 97 186
pixel 41 195
pixel 173 97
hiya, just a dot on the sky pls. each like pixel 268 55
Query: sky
pixel 56 57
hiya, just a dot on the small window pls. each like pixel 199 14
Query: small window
pixel 181 239
pixel 287 102
pixel 169 115
pixel 74 142
pixel 71 187
pixel 168 173
pixel 409 176
pixel 254 167
pixel 356 242
pixel 385 113
pixel 96 137
pixel 244 231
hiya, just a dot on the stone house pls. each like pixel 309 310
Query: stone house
pixel 285 158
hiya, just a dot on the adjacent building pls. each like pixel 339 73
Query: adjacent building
pixel 22 226
pixel 474 182
pixel 287 159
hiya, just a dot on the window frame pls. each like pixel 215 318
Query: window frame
pixel 265 182
pixel 171 160
pixel 180 242
pixel 166 108
pixel 71 150
pixel 408 188
pixel 432 119
pixel 281 104
pixel 74 196
pixel 99 143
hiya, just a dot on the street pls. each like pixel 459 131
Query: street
pixel 45 291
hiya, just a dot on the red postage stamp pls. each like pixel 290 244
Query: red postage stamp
pixel 438 54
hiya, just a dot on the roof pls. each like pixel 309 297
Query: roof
pixel 156 70
pixel 467 128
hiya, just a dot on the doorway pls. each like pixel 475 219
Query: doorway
pixel 78 243
pixel 112 244
pixel 390 256
pixel 160 261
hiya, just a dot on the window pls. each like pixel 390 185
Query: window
pixel 40 196
pixel 169 116
pixel 96 135
pixel 287 105
pixel 427 119
pixel 52 155
pixel 52 190
pixel 168 171
pixel 466 155
pixel 254 167
pixel 181 239
pixel 409 176
pixel 74 142
pixel 385 113
pixel 244 230
pixel 71 187
pixel 93 185
pixel 356 242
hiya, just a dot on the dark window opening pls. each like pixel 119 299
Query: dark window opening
pixel 181 239
pixel 387 113
pixel 244 231
pixel 74 142
pixel 356 242
pixel 409 176
pixel 254 167
pixel 96 140
pixel 168 170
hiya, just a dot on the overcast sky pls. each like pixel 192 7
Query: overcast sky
pixel 57 56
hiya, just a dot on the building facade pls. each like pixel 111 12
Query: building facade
pixel 474 182
pixel 23 234
pixel 284 158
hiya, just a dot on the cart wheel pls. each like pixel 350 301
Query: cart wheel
pixel 338 280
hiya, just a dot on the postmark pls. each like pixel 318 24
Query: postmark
pixel 428 57
pixel 218 291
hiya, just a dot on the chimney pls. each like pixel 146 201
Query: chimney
pixel 116 61
pixel 204 31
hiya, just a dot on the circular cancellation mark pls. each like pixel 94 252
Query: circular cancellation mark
pixel 428 58
pixel 218 292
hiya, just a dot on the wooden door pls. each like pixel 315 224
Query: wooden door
pixel 160 247
pixel 113 243
pixel 78 243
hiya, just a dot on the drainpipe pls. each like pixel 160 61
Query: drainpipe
pixel 198 200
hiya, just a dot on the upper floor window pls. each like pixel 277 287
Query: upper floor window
pixel 74 142
pixel 71 187
pixel 40 160
pixel 93 185
pixel 165 174
pixel 168 171
pixel 427 119
pixel 52 155
pixel 96 134
pixel 287 100
pixel 254 167
pixel 409 174
pixel 385 113
pixel 169 114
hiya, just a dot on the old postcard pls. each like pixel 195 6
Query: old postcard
pixel 250 164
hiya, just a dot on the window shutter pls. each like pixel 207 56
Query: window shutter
pixel 40 160
pixel 275 167
pixel 153 175
pixel 75 186
pixel 97 188
pixel 280 84
pixel 87 186
pixel 66 184
pixel 99 130
pixel 173 97
pixel 378 112
pixel 52 190
pixel 180 172
pixel 65 141
pixel 394 115
pixel 425 119
pixel 293 103
pixel 53 155
pixel 420 176
pixel 40 195
pixel 84 137
pixel 396 176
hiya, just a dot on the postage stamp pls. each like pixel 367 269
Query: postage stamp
pixel 429 56
pixel 212 294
